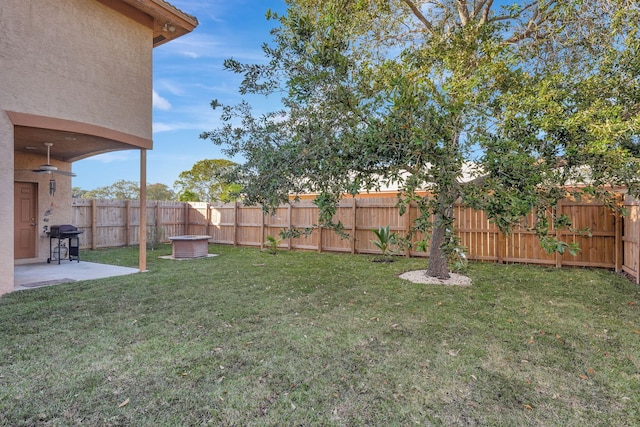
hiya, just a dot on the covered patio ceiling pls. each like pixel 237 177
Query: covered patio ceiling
pixel 67 146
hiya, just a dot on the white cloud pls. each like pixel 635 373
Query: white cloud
pixel 198 46
pixel 164 127
pixel 160 102
pixel 192 44
pixel 170 86
pixel 159 127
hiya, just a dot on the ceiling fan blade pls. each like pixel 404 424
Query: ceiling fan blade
pixel 64 173
pixel 48 167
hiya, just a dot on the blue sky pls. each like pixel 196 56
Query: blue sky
pixel 187 75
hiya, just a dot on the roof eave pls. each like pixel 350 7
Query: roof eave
pixel 169 22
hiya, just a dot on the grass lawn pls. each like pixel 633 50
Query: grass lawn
pixel 307 339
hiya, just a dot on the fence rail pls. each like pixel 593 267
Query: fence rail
pixel 613 241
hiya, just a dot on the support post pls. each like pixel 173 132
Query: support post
pixel 142 261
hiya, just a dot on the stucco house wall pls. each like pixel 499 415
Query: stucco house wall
pixel 75 65
pixel 6 208
pixel 78 60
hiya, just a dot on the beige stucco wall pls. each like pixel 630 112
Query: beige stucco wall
pixel 6 208
pixel 75 60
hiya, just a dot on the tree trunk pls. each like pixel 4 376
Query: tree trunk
pixel 438 259
pixel 438 266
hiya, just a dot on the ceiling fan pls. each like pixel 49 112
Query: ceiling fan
pixel 48 167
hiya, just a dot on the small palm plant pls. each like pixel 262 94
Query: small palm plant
pixel 385 242
pixel 272 244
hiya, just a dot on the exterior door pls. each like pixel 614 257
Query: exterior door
pixel 25 219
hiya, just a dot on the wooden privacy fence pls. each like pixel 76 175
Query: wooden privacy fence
pixel 613 241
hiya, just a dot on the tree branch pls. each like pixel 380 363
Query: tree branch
pixel 463 12
pixel 487 9
pixel 419 15
pixel 517 15
pixel 539 16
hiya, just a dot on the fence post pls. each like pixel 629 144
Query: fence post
pixel 127 228
pixel 157 223
pixel 186 218
pixel 502 246
pixel 354 227
pixel 290 214
pixel 235 223
pixel 637 240
pixel 558 234
pixel 618 239
pixel 407 229
pixel 319 232
pixel 94 219
pixel 262 227
pixel 208 229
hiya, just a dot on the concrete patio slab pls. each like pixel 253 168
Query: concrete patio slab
pixel 31 276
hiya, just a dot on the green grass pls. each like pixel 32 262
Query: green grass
pixel 253 339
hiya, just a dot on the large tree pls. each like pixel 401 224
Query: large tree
pixel 159 191
pixel 500 105
pixel 205 182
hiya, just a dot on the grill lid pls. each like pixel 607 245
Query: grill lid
pixel 64 229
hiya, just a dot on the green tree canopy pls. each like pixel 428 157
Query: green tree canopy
pixel 206 181
pixel 160 191
pixel 77 193
pixel 188 196
pixel 126 190
pixel 500 105
pixel 119 190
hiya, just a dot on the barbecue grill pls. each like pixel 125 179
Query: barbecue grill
pixel 59 233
